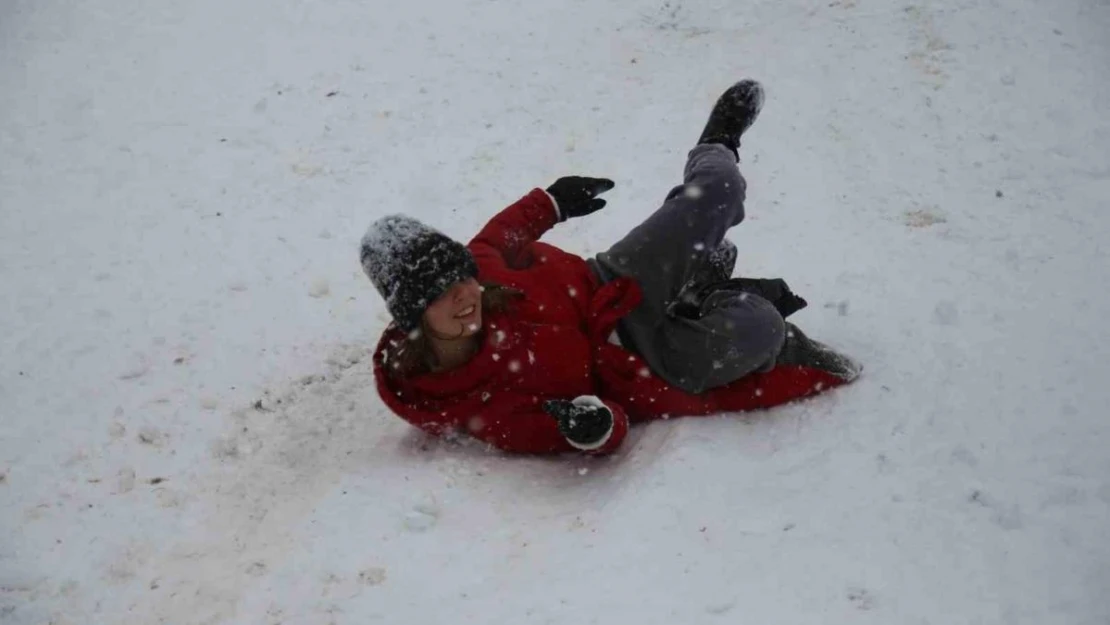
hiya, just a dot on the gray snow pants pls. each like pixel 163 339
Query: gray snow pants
pixel 737 333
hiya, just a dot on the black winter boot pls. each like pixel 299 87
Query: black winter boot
pixel 733 114
pixel 719 264
pixel 774 290
pixel 801 350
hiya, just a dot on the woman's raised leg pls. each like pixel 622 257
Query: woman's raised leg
pixel 739 333
pixel 665 251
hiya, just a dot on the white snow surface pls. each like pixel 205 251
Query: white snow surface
pixel 188 427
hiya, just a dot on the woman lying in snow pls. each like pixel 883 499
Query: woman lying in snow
pixel 533 349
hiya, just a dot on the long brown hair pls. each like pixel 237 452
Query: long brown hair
pixel 413 355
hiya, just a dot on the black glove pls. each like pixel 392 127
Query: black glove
pixel 581 425
pixel 576 195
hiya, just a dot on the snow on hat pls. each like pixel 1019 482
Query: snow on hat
pixel 411 264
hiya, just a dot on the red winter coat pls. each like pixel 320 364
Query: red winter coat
pixel 553 345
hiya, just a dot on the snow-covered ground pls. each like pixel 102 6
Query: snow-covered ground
pixel 189 429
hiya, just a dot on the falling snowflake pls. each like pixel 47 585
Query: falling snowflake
pixel 818 386
pixel 496 357
pixel 514 366
pixel 644 372
pixel 717 364
pixel 693 191
pixel 485 396
pixel 759 392
pixel 699 246
pixel 531 358
pixel 572 291
pixel 500 336
pixel 475 424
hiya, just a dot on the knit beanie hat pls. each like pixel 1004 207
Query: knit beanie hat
pixel 411 264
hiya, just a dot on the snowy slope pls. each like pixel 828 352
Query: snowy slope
pixel 188 430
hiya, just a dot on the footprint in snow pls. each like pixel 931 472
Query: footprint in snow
pixel 237 447
pixel 374 576
pixel 423 516
pixel 319 288
pixel 923 218
pixel 151 436
pixel 861 598
pixel 125 481
pixel 135 370
pixel 720 608
pixel 117 429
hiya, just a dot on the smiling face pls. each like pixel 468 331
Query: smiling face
pixel 458 312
